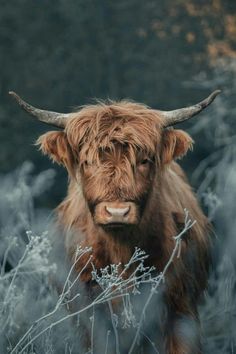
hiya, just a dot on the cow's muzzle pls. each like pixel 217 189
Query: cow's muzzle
pixel 116 214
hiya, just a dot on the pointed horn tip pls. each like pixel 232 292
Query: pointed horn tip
pixel 207 101
pixel 19 100
pixel 215 93
pixel 14 95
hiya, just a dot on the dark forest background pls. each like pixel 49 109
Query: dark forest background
pixel 61 54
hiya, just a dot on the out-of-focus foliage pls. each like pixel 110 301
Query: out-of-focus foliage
pixel 216 178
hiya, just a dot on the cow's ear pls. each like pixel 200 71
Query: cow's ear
pixel 56 146
pixel 175 144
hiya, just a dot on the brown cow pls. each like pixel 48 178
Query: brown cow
pixel 126 190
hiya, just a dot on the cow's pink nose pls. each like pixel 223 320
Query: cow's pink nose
pixel 117 212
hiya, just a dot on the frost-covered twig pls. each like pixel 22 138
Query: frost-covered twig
pixel 114 326
pixel 188 225
pixel 111 291
pixel 79 253
pixel 107 340
pixel 114 286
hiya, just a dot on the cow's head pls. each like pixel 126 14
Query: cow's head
pixel 114 150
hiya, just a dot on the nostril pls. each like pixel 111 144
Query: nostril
pixel 107 211
pixel 117 211
pixel 127 211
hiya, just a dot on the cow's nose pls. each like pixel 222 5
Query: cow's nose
pixel 118 212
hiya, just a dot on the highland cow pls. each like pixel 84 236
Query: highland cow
pixel 126 190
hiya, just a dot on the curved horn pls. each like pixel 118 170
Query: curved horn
pixel 182 114
pixel 48 117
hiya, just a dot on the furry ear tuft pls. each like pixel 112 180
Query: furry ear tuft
pixel 175 144
pixel 56 146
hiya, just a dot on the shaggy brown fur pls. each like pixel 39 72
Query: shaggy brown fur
pixel 118 152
